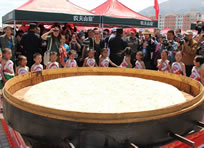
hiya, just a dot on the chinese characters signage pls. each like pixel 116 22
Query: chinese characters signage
pixel 146 23
pixel 79 18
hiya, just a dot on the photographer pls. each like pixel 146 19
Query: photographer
pixel 189 49
pixel 74 45
pixel 199 27
pixel 170 45
pixel 200 50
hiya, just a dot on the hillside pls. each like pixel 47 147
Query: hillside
pixel 176 6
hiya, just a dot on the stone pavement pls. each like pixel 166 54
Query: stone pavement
pixel 3 139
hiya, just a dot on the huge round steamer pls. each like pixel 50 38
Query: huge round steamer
pixel 50 126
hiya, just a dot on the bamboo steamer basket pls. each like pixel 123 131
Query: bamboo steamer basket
pixel 119 126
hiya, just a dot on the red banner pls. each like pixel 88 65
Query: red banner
pixel 156 7
pixel 198 138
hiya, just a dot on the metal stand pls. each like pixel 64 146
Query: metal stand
pixel 199 123
pixel 182 139
pixel 132 145
pixel 67 141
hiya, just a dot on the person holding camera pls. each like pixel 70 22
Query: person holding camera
pixel 189 50
pixel 74 45
pixel 171 46
pixel 200 50
pixel 200 27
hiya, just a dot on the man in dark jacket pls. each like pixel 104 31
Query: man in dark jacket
pixel 116 45
pixel 31 43
pixel 9 41
pixel 148 47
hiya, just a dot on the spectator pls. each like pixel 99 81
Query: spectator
pixel 89 40
pixel 53 36
pixel 90 60
pixel 31 44
pixel 172 46
pixel 148 48
pixel 178 31
pixel 88 43
pixel 19 50
pixel 64 45
pixel 38 31
pixel 113 34
pixel 63 50
pixel 141 35
pixel 157 34
pixel 163 63
pixel 201 73
pixel 198 61
pixel 116 45
pixel 200 27
pixel 189 49
pixel 99 44
pixel 158 48
pixel 9 41
pixel 80 40
pixel 133 43
pixel 126 63
pixel 74 45
pixel 105 34
pixel 200 50
pixel 71 62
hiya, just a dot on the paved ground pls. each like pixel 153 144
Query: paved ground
pixel 3 139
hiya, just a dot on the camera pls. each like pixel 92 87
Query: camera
pixel 186 39
pixel 165 42
pixel 170 42
pixel 55 30
pixel 181 42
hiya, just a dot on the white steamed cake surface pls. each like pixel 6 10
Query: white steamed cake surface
pixel 103 94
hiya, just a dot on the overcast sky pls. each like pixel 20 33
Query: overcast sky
pixel 136 5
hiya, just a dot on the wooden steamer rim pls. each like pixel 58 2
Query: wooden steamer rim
pixel 185 84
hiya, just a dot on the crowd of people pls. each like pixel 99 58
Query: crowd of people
pixel 61 46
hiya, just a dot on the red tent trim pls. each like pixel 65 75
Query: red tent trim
pixel 114 8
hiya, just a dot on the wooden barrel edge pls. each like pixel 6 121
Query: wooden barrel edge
pixel 94 117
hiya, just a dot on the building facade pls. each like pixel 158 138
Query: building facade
pixel 179 21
